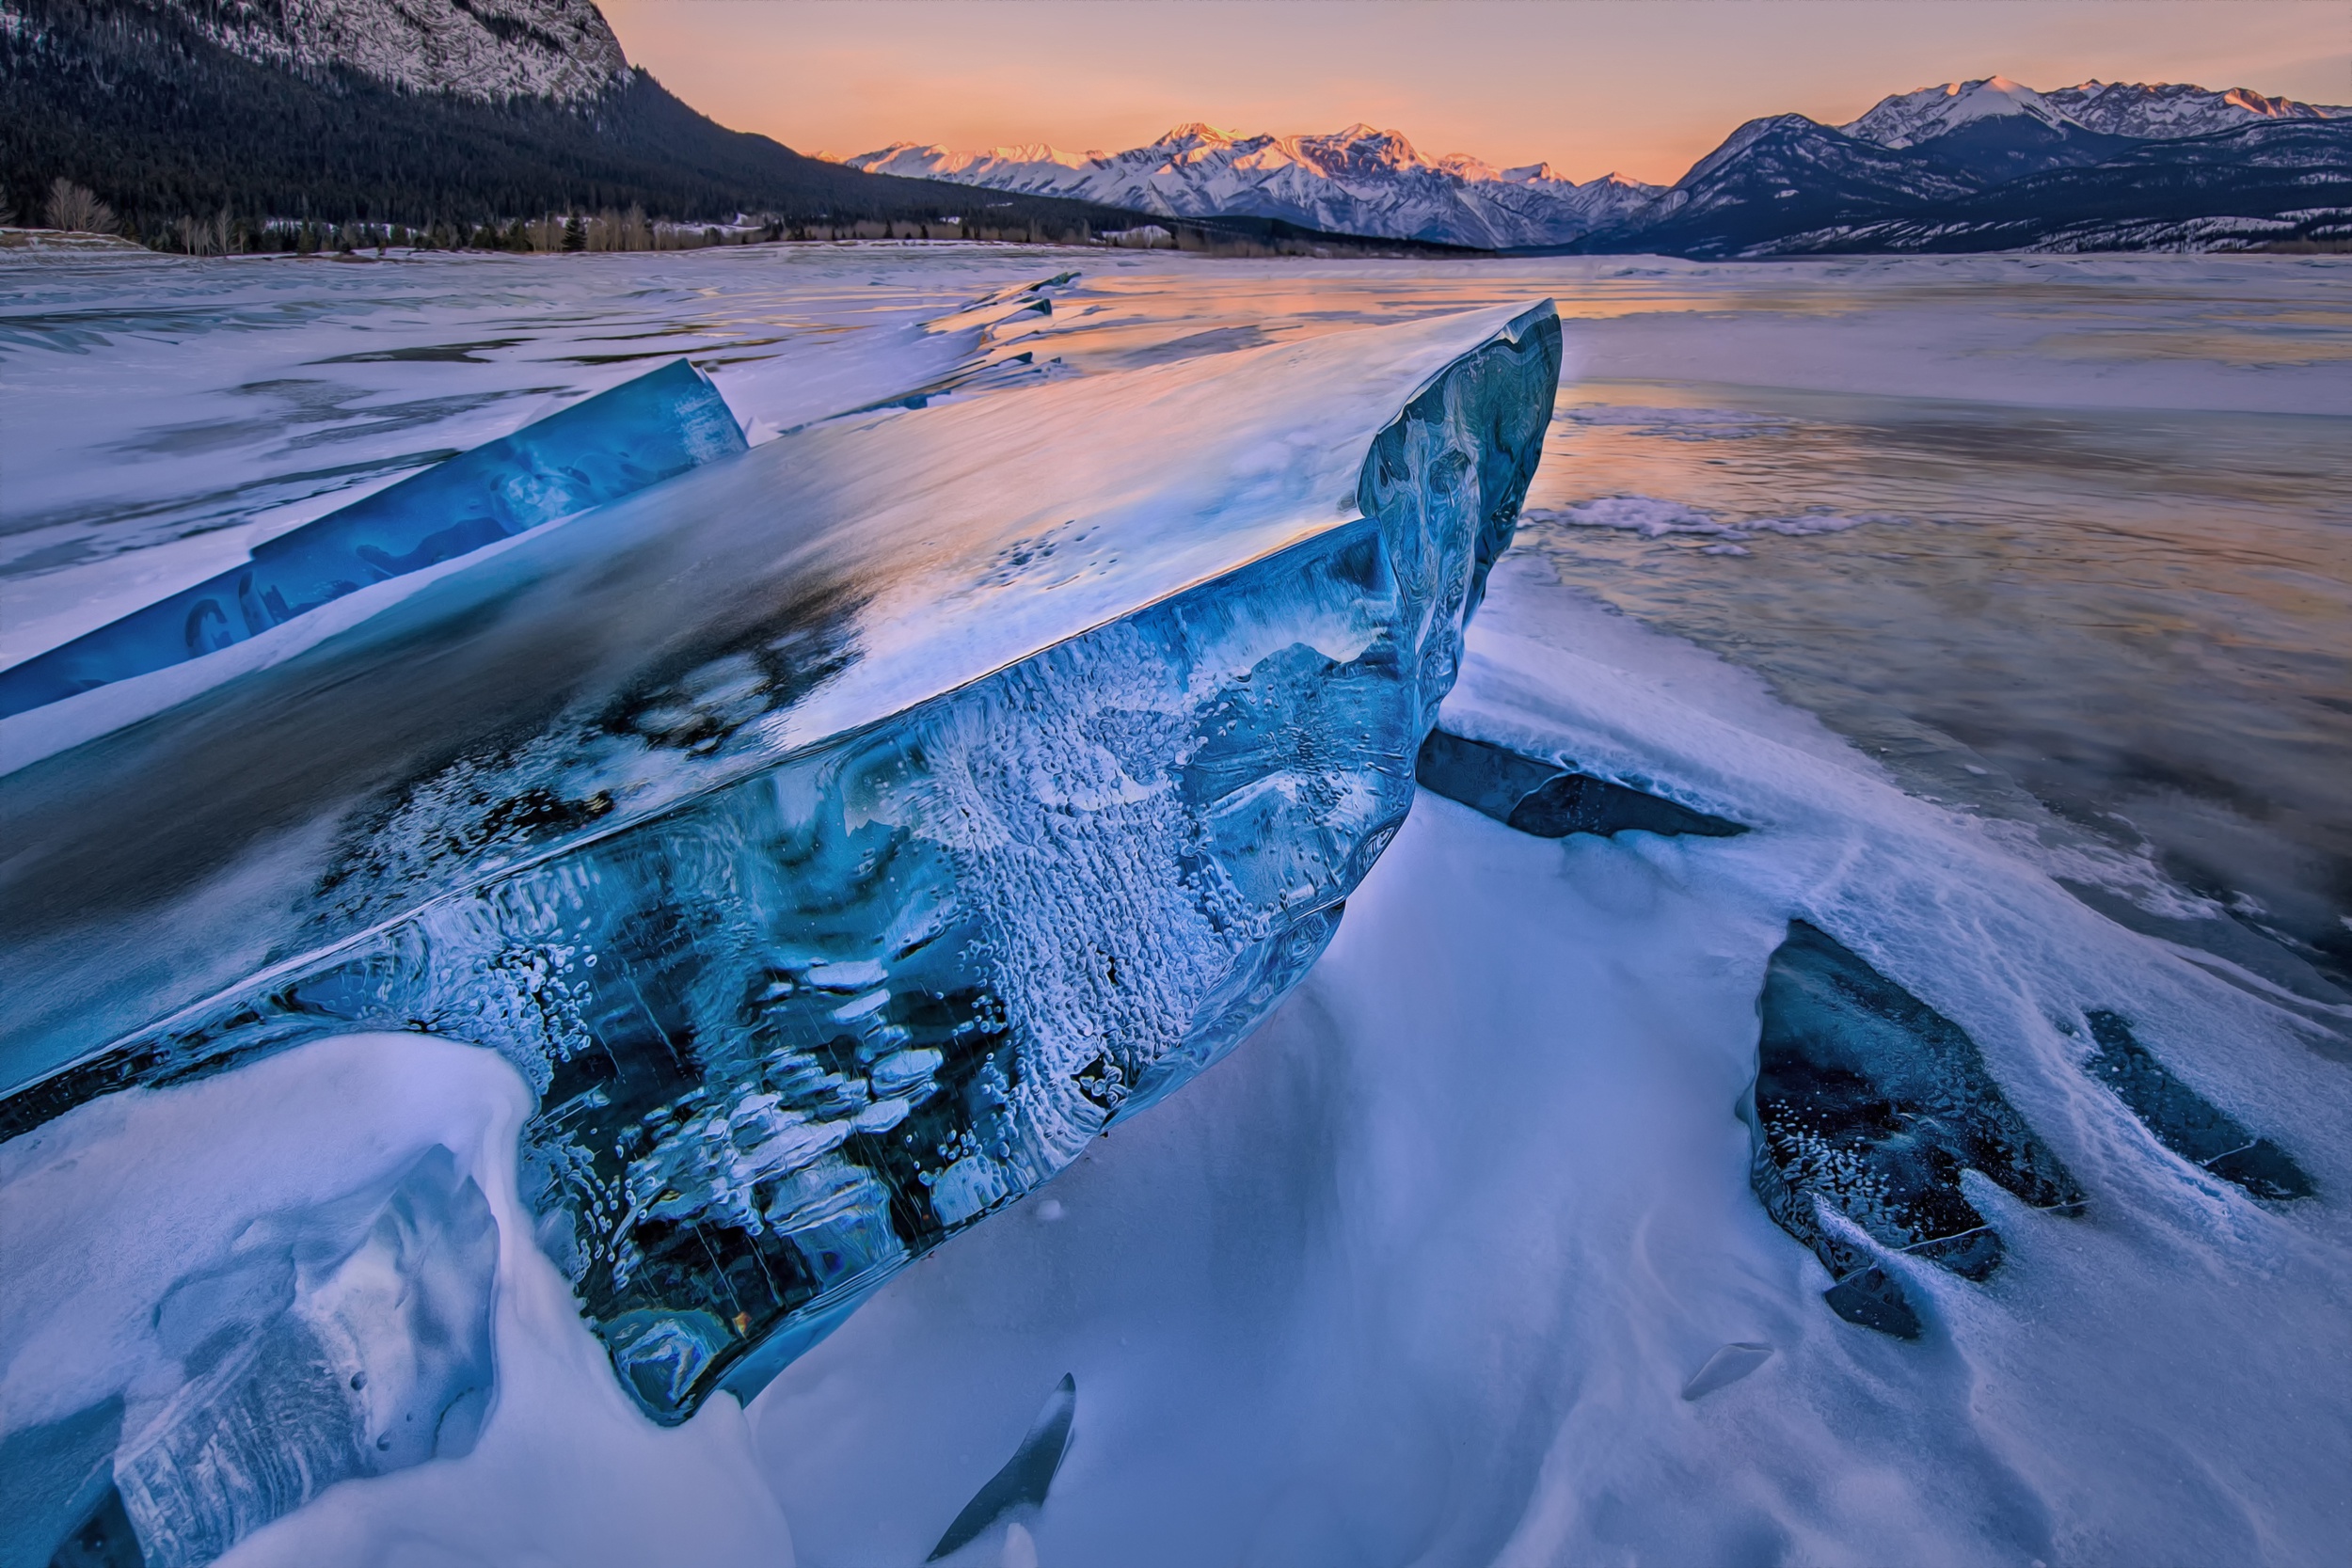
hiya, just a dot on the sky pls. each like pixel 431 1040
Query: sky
pixel 1640 87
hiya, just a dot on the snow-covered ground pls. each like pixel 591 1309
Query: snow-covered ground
pixel 1420 1272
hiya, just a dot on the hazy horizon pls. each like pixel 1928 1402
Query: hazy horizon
pixel 1643 90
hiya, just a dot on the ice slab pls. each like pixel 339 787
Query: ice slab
pixel 2184 1120
pixel 348 1341
pixel 1869 1103
pixel 611 445
pixel 1027 1476
pixel 1727 1365
pixel 837 838
pixel 1548 800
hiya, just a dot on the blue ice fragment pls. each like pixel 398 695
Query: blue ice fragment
pixel 1869 1103
pixel 1547 801
pixel 1727 1365
pixel 52 1474
pixel 2184 1120
pixel 1027 1476
pixel 317 1356
pixel 613 444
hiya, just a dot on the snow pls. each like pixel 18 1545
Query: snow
pixel 1422 1274
pixel 315 1126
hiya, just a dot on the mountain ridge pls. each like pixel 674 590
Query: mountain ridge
pixel 1792 174
pixel 1363 178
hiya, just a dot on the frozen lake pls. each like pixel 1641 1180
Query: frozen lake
pixel 2007 598
pixel 2062 540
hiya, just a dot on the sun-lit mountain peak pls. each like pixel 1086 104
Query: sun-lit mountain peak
pixel 1194 132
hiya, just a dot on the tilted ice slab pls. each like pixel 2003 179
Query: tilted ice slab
pixel 839 837
pixel 612 445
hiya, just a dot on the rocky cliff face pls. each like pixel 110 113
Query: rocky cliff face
pixel 562 50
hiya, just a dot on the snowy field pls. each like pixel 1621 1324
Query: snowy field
pixel 2004 599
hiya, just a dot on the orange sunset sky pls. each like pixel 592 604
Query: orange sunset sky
pixel 1643 86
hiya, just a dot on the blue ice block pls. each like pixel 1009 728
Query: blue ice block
pixel 610 446
pixel 836 840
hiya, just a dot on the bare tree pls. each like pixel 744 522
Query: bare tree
pixel 77 208
pixel 203 236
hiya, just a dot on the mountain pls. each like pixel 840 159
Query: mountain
pixel 1358 180
pixel 1993 165
pixel 452 114
pixel 1994 128
pixel 1780 185
pixel 2271 181
pixel 1778 175
pixel 1906 118
pixel 251 115
pixel 2129 109
pixel 559 50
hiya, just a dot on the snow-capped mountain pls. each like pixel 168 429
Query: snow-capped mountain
pixel 1358 180
pixel 1908 118
pixel 1780 173
pixel 2135 109
pixel 1789 186
pixel 481 48
pixel 1992 164
pixel 2273 181
pixel 1994 128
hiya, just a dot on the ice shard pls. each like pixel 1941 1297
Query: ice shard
pixel 1868 1103
pixel 352 1340
pixel 1026 1477
pixel 837 838
pixel 2184 1120
pixel 1547 801
pixel 598 450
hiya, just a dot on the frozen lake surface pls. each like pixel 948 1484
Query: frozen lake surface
pixel 2005 598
